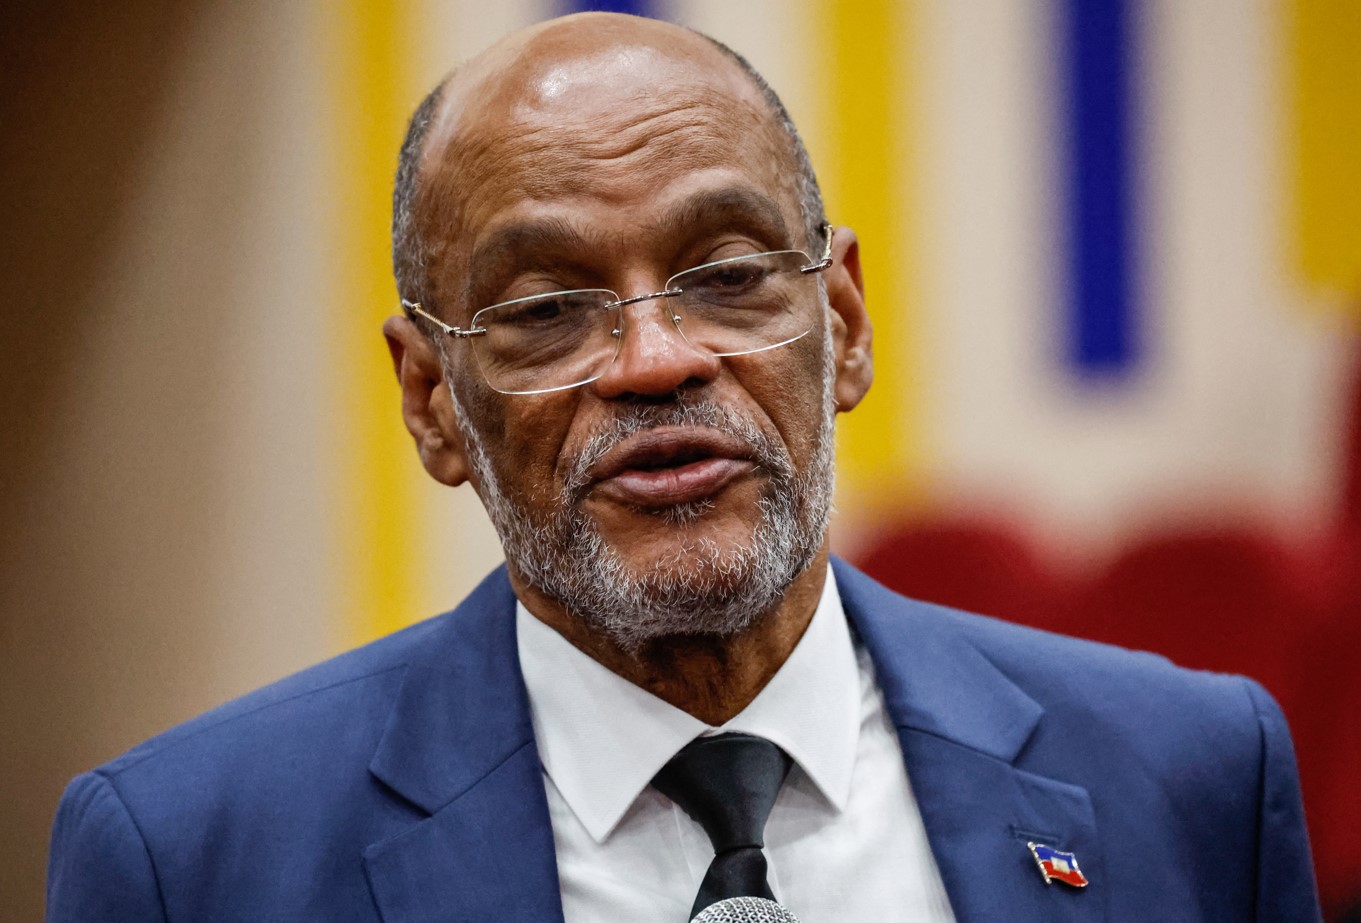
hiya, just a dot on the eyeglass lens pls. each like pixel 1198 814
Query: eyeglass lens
pixel 731 307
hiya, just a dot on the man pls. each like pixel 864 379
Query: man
pixel 628 326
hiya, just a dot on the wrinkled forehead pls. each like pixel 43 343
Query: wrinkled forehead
pixel 610 114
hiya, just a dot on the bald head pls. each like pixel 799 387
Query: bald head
pixel 594 79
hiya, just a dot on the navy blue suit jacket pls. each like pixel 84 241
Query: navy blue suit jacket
pixel 400 782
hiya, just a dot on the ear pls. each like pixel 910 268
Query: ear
pixel 851 330
pixel 427 408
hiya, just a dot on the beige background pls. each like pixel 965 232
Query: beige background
pixel 163 546
pixel 172 414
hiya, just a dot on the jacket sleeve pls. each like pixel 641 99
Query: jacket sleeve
pixel 1286 889
pixel 99 868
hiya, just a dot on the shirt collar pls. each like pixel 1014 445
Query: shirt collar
pixel 601 738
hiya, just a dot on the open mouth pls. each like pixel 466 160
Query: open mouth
pixel 670 465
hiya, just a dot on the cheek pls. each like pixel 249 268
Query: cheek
pixel 788 387
pixel 523 436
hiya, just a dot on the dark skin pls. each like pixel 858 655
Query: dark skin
pixel 603 150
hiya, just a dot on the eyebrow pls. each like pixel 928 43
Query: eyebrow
pixel 536 234
pixel 738 205
pixel 505 244
pixel 731 206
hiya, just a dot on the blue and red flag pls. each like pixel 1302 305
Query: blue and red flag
pixel 1057 866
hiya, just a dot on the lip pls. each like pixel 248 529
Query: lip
pixel 669 465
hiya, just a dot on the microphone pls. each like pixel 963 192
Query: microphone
pixel 745 910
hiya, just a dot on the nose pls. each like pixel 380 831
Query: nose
pixel 653 357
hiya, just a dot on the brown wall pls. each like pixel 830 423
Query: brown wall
pixel 149 443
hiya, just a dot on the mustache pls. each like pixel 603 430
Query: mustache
pixel 697 412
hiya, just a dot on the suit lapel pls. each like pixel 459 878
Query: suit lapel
pixel 963 726
pixel 459 745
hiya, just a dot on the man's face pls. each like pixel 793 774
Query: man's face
pixel 678 493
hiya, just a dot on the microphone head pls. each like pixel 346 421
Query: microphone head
pixel 745 910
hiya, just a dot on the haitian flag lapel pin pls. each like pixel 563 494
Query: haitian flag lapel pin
pixel 1057 866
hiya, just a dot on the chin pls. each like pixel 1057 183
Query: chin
pixel 694 586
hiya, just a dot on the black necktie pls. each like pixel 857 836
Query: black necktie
pixel 728 785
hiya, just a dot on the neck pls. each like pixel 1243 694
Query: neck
pixel 711 678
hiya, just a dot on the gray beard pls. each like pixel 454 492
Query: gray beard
pixel 697 588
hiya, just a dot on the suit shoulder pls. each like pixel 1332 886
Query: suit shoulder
pixel 294 709
pixel 1037 657
pixel 1066 673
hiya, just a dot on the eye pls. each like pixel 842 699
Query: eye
pixel 734 275
pixel 547 309
pixel 730 277
pixel 536 312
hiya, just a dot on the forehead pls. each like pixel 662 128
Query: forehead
pixel 615 123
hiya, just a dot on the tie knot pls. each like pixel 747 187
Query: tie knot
pixel 728 784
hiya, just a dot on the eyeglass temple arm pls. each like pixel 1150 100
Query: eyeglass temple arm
pixel 820 265
pixel 413 308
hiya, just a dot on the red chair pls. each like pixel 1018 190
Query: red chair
pixel 970 564
pixel 1228 599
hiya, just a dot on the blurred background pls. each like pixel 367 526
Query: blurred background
pixel 1113 256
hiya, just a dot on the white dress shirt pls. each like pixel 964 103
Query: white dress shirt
pixel 845 840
